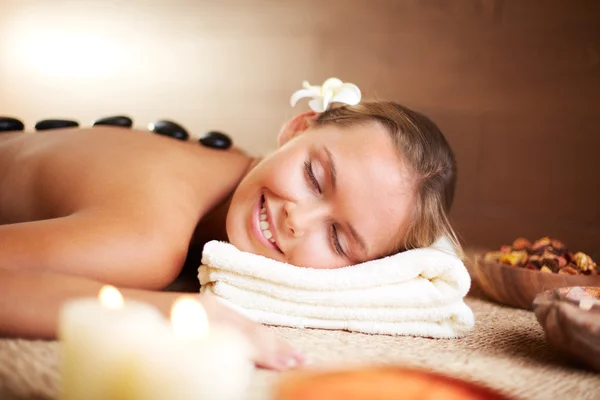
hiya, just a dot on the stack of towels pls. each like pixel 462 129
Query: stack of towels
pixel 417 292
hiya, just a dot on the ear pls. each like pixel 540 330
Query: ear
pixel 295 126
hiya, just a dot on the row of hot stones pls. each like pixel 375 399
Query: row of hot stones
pixel 212 139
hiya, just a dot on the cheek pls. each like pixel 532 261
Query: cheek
pixel 284 177
pixel 314 252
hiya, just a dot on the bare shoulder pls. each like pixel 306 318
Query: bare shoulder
pixel 57 173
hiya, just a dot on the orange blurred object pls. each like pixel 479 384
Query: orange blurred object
pixel 379 383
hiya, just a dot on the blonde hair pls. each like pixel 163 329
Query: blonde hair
pixel 427 153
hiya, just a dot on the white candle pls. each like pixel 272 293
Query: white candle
pixel 99 341
pixel 115 350
pixel 197 361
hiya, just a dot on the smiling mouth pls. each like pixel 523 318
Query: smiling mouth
pixel 266 225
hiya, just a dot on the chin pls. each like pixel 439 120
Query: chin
pixel 233 231
pixel 237 230
pixel 240 244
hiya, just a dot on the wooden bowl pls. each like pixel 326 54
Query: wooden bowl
pixel 381 383
pixel 517 287
pixel 571 320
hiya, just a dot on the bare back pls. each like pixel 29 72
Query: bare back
pixel 114 192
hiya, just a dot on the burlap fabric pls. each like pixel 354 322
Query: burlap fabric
pixel 506 350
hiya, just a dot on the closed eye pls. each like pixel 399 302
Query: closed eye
pixel 311 176
pixel 335 241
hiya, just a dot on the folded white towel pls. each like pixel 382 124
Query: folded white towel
pixel 417 292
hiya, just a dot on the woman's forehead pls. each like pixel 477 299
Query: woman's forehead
pixel 367 148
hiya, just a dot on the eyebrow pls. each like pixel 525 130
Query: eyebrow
pixel 333 177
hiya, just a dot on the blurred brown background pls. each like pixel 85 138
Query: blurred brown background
pixel 515 84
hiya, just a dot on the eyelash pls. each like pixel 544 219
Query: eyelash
pixel 311 176
pixel 313 181
pixel 336 242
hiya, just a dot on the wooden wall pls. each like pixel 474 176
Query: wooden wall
pixel 515 84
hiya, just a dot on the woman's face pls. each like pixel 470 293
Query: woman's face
pixel 329 197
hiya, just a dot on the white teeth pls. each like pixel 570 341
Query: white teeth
pixel 264 225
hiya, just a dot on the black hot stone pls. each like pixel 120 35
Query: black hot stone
pixel 169 128
pixel 215 140
pixel 8 124
pixel 46 124
pixel 119 120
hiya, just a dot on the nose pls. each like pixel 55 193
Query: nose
pixel 299 218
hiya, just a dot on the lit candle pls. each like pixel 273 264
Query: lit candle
pixel 126 351
pixel 100 340
pixel 197 361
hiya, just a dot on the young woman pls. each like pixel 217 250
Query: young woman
pixel 80 208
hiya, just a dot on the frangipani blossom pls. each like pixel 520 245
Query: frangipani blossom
pixel 332 91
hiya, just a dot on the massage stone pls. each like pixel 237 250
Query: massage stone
pixel 119 120
pixel 169 128
pixel 47 124
pixel 215 140
pixel 8 124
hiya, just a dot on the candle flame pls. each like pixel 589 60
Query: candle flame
pixel 188 318
pixel 110 297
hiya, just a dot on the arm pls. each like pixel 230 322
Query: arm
pixel 103 246
pixel 30 301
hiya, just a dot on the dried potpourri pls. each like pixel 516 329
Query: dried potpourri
pixel 545 255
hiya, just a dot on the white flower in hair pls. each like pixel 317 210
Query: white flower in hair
pixel 332 91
